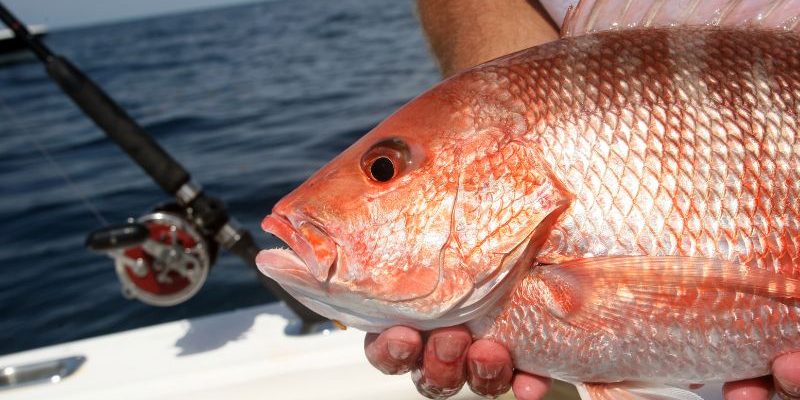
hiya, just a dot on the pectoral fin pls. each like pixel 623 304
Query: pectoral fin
pixel 610 292
pixel 633 391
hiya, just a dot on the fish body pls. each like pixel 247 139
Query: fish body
pixel 671 143
pixel 620 206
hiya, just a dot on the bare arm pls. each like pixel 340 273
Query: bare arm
pixel 464 33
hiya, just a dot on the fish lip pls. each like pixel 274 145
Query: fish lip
pixel 284 266
pixel 301 235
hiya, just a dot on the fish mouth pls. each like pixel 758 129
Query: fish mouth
pixel 311 255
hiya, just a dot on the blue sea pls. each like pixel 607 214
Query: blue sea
pixel 250 99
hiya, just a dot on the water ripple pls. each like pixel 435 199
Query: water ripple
pixel 252 99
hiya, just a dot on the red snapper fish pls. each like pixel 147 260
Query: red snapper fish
pixel 617 207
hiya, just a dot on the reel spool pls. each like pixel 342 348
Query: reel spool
pixel 160 259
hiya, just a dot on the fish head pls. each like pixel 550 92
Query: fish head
pixel 416 223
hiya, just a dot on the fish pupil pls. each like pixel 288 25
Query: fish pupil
pixel 382 169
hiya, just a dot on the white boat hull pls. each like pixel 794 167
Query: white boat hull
pixel 240 355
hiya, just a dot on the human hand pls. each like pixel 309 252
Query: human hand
pixel 449 358
pixel 442 360
pixel 785 380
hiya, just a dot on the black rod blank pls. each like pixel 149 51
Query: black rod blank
pixel 150 156
pixel 118 125
pixel 22 33
pixel 104 111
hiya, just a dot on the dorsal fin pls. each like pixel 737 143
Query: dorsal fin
pixel 602 15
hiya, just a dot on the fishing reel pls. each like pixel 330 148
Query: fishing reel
pixel 160 258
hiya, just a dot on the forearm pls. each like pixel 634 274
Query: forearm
pixel 464 33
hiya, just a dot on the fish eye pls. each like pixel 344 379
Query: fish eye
pixel 385 160
pixel 382 169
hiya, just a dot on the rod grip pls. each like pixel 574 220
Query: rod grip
pixel 118 125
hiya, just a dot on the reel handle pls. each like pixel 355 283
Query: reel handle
pixel 117 237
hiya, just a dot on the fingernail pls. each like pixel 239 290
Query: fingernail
pixel 384 369
pixel 399 350
pixel 448 349
pixel 487 370
pixel 791 389
pixel 434 392
pixel 505 387
pixel 491 392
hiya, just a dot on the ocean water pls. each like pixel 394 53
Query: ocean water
pixel 250 99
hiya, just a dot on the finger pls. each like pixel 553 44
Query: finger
pixel 786 370
pixel 442 372
pixel 748 389
pixel 530 387
pixel 394 351
pixel 489 368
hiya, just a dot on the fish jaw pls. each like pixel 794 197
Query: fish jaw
pixel 289 270
pixel 313 254
pixel 305 271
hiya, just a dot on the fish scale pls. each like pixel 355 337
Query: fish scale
pixel 656 177
pixel 618 165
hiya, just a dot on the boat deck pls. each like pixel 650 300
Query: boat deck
pixel 241 354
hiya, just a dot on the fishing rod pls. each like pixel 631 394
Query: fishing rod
pixel 163 258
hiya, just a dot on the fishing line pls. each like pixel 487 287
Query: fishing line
pixel 54 165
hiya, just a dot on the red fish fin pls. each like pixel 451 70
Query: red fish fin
pixel 603 15
pixel 633 391
pixel 609 292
